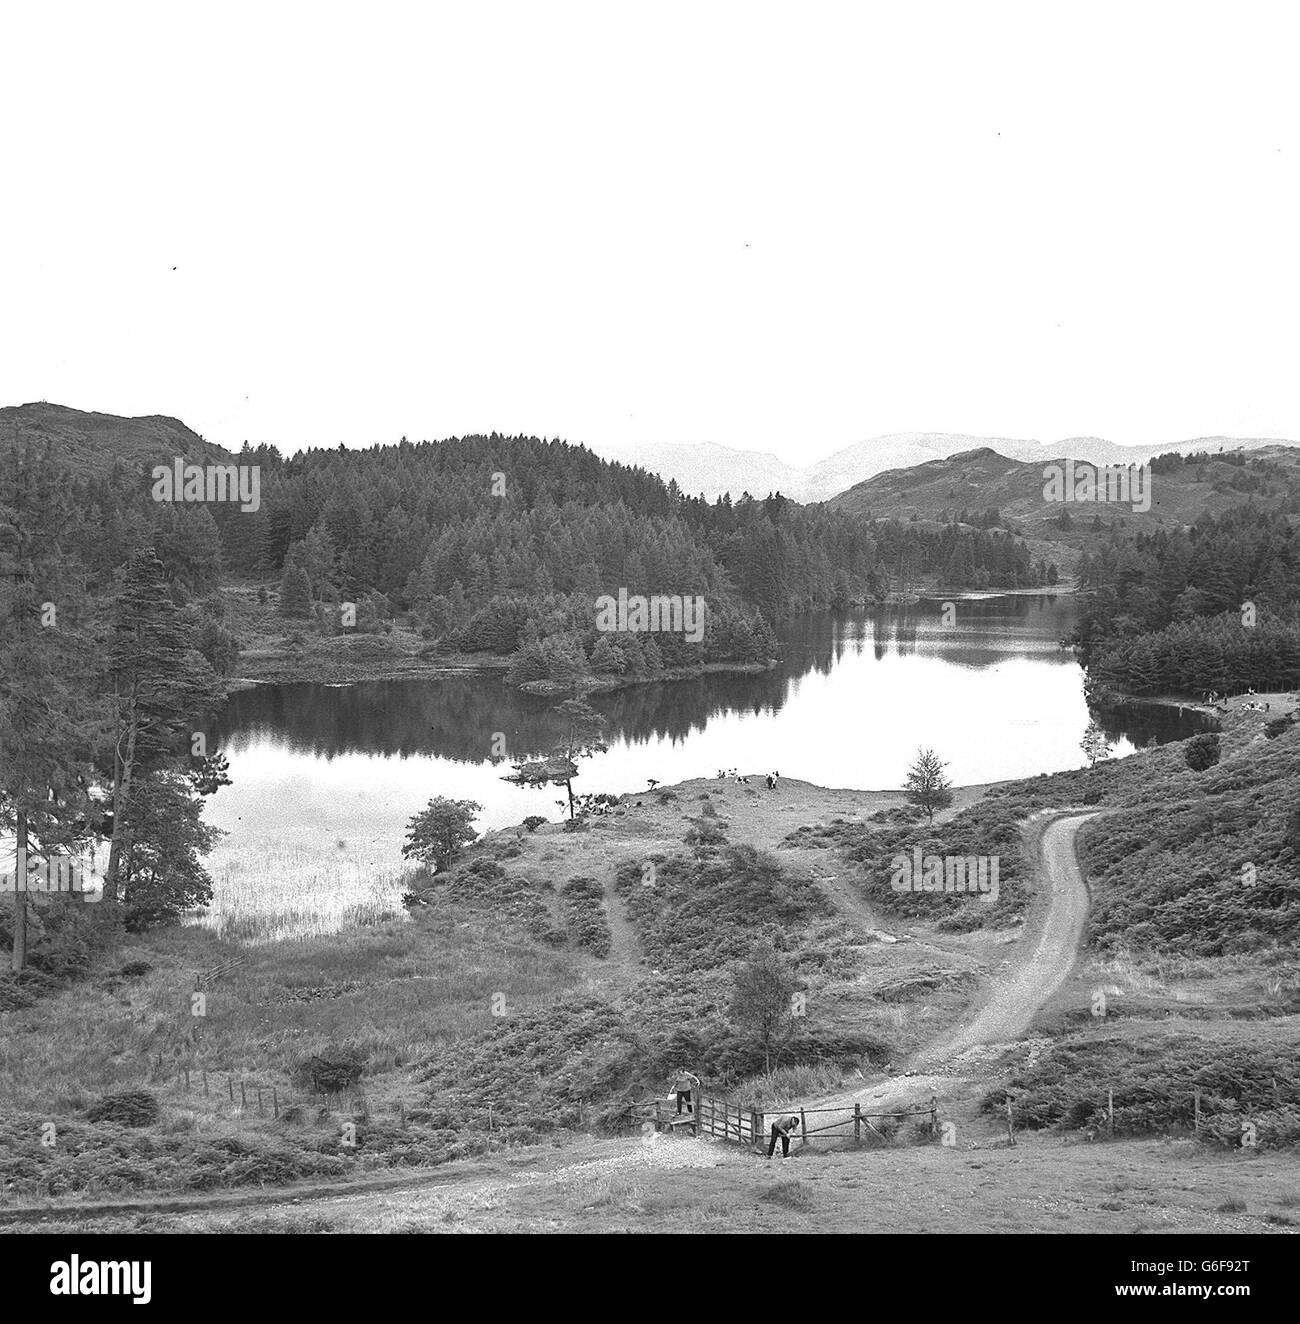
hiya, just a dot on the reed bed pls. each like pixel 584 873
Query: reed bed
pixel 271 892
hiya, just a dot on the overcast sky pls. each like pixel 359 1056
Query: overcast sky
pixel 786 228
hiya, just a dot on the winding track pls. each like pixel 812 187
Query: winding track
pixel 1057 926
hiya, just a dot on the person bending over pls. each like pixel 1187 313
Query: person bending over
pixel 781 1129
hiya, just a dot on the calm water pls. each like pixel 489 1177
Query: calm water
pixel 330 775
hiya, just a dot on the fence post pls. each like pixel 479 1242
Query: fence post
pixel 1011 1127
pixel 934 1116
pixel 857 1123
pixel 230 1087
pixel 755 1127
pixel 658 1126
pixel 243 1094
pixel 275 1100
pixel 803 1127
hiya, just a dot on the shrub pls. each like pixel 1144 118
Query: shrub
pixel 337 1067
pixel 898 814
pixel 585 915
pixel 1153 1079
pixel 704 835
pixel 533 822
pixel 1202 751
pixel 15 996
pixel 63 936
pixel 126 1107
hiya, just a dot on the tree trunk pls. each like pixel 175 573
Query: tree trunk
pixel 121 793
pixel 19 957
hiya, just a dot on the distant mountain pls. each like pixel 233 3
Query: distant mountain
pixel 713 469
pixel 93 442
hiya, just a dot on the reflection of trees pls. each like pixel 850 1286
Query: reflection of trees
pixel 907 624
pixel 458 717
pixel 879 633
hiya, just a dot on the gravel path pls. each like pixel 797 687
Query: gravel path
pixel 1014 998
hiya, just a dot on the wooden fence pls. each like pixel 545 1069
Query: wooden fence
pixel 243 1095
pixel 206 977
pixel 728 1121
pixel 835 1123
pixel 749 1126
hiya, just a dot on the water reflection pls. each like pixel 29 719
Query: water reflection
pixel 992 692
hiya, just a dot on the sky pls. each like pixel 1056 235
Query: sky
pixel 779 227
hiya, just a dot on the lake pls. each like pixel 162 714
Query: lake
pixel 325 777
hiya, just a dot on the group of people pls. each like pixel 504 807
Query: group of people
pixel 724 773
pixel 686 1085
pixel 1220 701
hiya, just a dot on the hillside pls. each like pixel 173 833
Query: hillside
pixel 553 977
pixel 92 443
pixel 978 479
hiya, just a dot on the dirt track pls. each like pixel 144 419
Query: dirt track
pixel 1056 926
pixel 1034 979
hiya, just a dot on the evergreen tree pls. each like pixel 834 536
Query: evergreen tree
pixel 295 591
pixel 47 717
pixel 927 786
pixel 160 686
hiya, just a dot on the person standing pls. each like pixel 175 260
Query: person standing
pixel 685 1085
pixel 781 1129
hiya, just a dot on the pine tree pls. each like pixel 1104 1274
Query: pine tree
pixel 161 685
pixel 47 713
pixel 926 785
pixel 295 591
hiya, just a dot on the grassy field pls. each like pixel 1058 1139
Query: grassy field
pixel 684 1186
